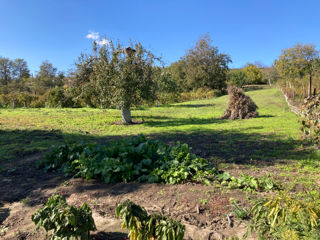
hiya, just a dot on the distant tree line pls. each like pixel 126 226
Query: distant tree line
pixel 115 76
pixel 112 77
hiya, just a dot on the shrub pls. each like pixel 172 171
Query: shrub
pixel 56 97
pixel 201 93
pixel 67 222
pixel 311 119
pixel 142 226
pixel 38 102
pixel 237 78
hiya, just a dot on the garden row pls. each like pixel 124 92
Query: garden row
pixel 143 160
pixel 280 216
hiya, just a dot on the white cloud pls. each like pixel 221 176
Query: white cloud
pixel 103 41
pixel 93 35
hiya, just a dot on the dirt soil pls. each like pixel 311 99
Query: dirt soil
pixel 205 210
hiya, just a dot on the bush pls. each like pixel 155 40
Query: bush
pixel 131 159
pixel 311 119
pixel 201 93
pixel 142 226
pixel 38 102
pixel 237 78
pixel 67 222
pixel 55 97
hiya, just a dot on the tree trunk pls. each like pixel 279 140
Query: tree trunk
pixel 126 115
pixel 310 84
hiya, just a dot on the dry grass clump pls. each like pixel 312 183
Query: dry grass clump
pixel 240 106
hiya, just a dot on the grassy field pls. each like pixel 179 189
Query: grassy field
pixel 25 131
pixel 268 145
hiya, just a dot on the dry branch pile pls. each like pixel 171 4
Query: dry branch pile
pixel 240 106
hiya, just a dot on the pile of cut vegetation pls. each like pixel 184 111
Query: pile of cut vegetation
pixel 131 159
pixel 240 105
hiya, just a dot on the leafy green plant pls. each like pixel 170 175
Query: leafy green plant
pixel 203 201
pixel 66 222
pixel 142 226
pixel 131 159
pixel 285 217
pixel 250 183
pixel 240 213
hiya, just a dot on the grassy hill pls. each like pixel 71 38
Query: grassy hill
pixel 274 133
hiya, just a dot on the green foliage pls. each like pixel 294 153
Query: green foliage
pixel 67 222
pixel 250 183
pixel 297 66
pixel 131 159
pixel 253 74
pixel 284 217
pixel 121 77
pixel 200 93
pixel 240 213
pixel 142 226
pixel 310 119
pixel 167 88
pixel 204 66
pixel 237 78
pixel 56 97
pixel 296 61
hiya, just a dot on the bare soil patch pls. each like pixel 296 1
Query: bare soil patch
pixel 202 208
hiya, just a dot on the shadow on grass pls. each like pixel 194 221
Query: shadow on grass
pixel 4 213
pixel 232 146
pixel 192 105
pixel 20 179
pixel 265 116
pixel 169 122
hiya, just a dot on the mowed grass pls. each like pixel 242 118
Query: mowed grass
pixel 273 135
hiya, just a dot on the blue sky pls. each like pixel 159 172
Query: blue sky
pixel 247 30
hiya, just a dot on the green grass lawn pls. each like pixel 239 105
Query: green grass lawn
pixel 274 135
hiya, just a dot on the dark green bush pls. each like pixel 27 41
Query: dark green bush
pixel 237 78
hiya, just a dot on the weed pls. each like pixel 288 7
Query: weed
pixel 203 201
pixel 161 192
pixel 25 201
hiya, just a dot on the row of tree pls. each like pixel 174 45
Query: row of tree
pixel 117 76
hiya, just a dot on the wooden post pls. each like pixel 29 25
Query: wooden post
pixel 310 83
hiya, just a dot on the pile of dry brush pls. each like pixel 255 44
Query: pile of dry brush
pixel 240 106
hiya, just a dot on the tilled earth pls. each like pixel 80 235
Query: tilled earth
pixel 205 210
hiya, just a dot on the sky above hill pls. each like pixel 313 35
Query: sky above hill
pixel 247 30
